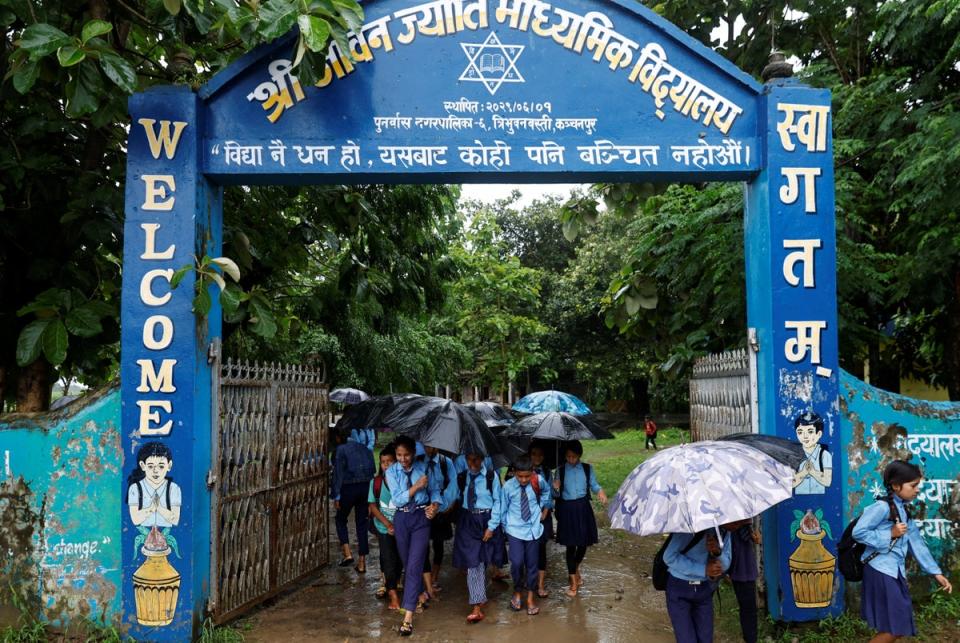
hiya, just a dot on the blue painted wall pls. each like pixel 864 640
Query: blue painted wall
pixel 877 427
pixel 61 469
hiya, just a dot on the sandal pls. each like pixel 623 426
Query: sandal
pixel 406 628
pixel 542 593
pixel 533 611
pixel 515 604
pixel 345 562
pixel 475 618
pixel 360 570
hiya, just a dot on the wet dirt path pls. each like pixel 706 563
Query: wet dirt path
pixel 616 603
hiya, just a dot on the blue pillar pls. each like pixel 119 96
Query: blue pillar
pixel 173 215
pixel 791 302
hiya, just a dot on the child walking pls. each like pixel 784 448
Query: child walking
pixel 743 576
pixel 383 511
pixel 695 563
pixel 885 602
pixel 352 472
pixel 417 497
pixel 441 468
pixel 521 513
pixel 650 430
pixel 537 454
pixel 576 524
pixel 477 543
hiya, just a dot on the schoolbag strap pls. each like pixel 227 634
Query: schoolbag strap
pixel 535 483
pixel 693 542
pixel 169 483
pixel 586 473
pixel 489 476
pixel 462 483
pixel 377 487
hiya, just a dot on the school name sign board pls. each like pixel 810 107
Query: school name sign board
pixel 472 91
pixel 480 88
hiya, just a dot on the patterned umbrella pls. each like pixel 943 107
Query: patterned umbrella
pixel 543 401
pixel 348 395
pixel 692 487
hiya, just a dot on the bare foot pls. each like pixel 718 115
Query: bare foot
pixel 571 591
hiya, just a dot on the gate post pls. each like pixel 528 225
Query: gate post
pixel 790 236
pixel 173 216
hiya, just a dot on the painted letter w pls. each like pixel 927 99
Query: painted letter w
pixel 155 140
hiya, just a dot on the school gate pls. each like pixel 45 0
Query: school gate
pixel 505 91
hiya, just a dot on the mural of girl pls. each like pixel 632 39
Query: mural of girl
pixel 154 501
pixel 816 472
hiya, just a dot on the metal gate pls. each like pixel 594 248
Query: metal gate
pixel 268 482
pixel 720 401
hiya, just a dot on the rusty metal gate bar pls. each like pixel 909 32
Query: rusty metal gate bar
pixel 268 482
pixel 720 401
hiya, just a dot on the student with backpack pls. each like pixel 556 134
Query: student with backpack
pixel 153 498
pixel 694 565
pixel 521 512
pixel 743 576
pixel 443 469
pixel 473 548
pixel 576 524
pixel 352 472
pixel 383 510
pixel 650 430
pixel 887 530
pixel 536 453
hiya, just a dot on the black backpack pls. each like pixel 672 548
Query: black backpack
pixel 462 484
pixel 586 471
pixel 660 571
pixel 850 551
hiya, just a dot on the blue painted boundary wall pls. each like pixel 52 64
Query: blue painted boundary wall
pixel 58 493
pixel 878 427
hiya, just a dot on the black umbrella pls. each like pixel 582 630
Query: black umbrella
pixel 555 425
pixel 786 451
pixel 370 413
pixel 445 425
pixel 492 413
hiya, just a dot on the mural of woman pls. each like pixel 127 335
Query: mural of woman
pixel 153 497
pixel 816 472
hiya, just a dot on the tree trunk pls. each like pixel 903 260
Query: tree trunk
pixel 641 396
pixel 33 387
pixel 952 349
pixel 3 386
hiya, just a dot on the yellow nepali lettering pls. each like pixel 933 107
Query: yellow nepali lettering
pixel 153 381
pixel 155 139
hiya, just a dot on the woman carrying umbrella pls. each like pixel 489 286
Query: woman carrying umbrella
pixel 576 524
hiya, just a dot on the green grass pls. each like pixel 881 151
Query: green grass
pixel 613 460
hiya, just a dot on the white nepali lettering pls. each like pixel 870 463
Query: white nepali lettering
pixel 236 154
pixel 408 156
pixel 810 129
pixel 547 153
pixel 496 156
pixel 935 445
pixel 804 255
pixel 704 155
pixel 936 527
pixel 790 192
pixel 605 152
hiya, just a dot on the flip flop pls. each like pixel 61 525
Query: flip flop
pixel 515 604
pixel 542 593
pixel 358 570
pixel 533 611
pixel 345 562
pixel 475 618
pixel 406 629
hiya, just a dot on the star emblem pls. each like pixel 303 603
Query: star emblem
pixel 492 63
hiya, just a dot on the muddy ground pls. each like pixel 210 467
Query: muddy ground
pixel 616 603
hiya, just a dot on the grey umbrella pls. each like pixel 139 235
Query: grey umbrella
pixel 348 395
pixel 555 425
pixel 445 425
pixel 786 451
pixel 492 413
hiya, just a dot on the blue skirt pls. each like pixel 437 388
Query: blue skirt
pixel 469 550
pixel 885 603
pixel 548 526
pixel 576 524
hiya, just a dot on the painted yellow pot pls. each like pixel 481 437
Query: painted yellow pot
pixel 812 570
pixel 156 586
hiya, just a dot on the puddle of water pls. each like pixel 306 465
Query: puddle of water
pixel 616 603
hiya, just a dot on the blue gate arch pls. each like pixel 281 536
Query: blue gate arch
pixel 474 91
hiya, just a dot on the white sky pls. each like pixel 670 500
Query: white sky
pixel 488 193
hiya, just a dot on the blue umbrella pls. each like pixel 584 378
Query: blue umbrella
pixel 348 396
pixel 545 401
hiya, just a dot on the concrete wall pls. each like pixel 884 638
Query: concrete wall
pixel 59 519
pixel 878 427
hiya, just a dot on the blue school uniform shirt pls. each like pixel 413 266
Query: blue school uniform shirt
pixel 397 481
pixel 485 499
pixel 510 515
pixel 575 481
pixel 366 437
pixel 436 466
pixel 353 463
pixel 873 530
pixel 461 464
pixel 693 564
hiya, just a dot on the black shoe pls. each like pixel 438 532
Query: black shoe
pixel 345 562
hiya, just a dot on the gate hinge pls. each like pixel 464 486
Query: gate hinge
pixel 213 351
pixel 211 479
pixel 211 605
pixel 753 340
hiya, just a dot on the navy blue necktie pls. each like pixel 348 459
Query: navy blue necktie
pixel 411 501
pixel 472 492
pixel 524 504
